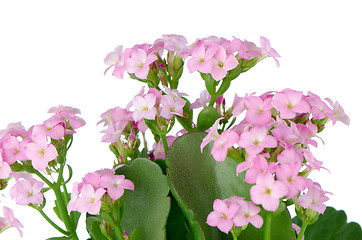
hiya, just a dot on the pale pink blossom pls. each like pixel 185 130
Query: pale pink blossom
pixel 256 139
pixel 116 114
pixel 89 199
pixel 260 167
pixel 314 198
pixel 13 149
pixel 158 149
pixel 5 169
pixel 222 216
pixel 222 63
pixel 171 106
pixel 113 57
pixel 247 213
pixel 69 113
pixel 267 50
pixel 268 192
pixel 288 174
pixel 201 59
pixel 40 152
pixel 144 107
pixel 222 143
pixel 319 109
pixel 115 185
pixel 9 221
pixel 202 101
pixel 289 102
pixel 14 129
pixel 212 134
pixel 27 191
pixel 290 155
pixel 259 111
pixel 54 127
pixel 338 112
pixel 139 63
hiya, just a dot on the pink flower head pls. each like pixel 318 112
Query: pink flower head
pixel 288 174
pixel 338 112
pixel 113 57
pixel 144 107
pixel 40 152
pixel 319 109
pixel 268 51
pixel 171 106
pixel 289 102
pixel 139 63
pixel 89 199
pixel 202 101
pixel 9 221
pixel 171 42
pixel 248 213
pixel 212 134
pixel 5 169
pixel 290 156
pixel 260 167
pixel 258 110
pixel 201 59
pixel 222 63
pixel 115 185
pixel 13 149
pixel 314 198
pixel 267 192
pixel 68 113
pixel 255 140
pixel 221 144
pixel 27 191
pixel 14 129
pixel 222 216
pixel 54 127
pixel 116 114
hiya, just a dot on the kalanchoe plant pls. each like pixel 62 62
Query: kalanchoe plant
pixel 228 173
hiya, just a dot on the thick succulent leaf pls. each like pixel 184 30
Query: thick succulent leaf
pixel 146 207
pixel 198 180
pixel 332 225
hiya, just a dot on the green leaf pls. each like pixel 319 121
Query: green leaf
pixel 176 228
pixel 332 225
pixel 59 238
pixel 198 180
pixel 146 207
pixel 93 228
pixel 206 118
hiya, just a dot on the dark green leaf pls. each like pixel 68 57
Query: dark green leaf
pixel 332 225
pixel 93 228
pixel 59 238
pixel 146 207
pixel 176 229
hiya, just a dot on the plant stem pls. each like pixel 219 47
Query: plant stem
pixel 164 142
pixel 267 227
pixel 53 223
pixel 302 230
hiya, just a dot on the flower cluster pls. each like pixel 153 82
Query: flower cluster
pixel 87 195
pixel 275 139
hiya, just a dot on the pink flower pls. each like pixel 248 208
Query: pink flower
pixel 267 192
pixel 319 109
pixel 314 198
pixel 289 102
pixel 290 156
pixel 171 106
pixel 255 140
pixel 338 112
pixel 268 51
pixel 248 213
pixel 201 59
pixel 5 169
pixel 158 149
pixel 9 221
pixel 27 191
pixel 68 113
pixel 221 144
pixel 288 174
pixel 113 57
pixel 89 199
pixel 261 166
pixel 222 63
pixel 212 135
pixel 258 110
pixel 202 101
pixel 54 127
pixel 40 152
pixel 115 185
pixel 13 150
pixel 144 107
pixel 139 63
pixel 222 216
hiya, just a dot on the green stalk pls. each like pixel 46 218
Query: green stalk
pixel 302 230
pixel 267 227
pixel 53 223
pixel 164 142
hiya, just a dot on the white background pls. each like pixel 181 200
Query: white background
pixel 52 53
